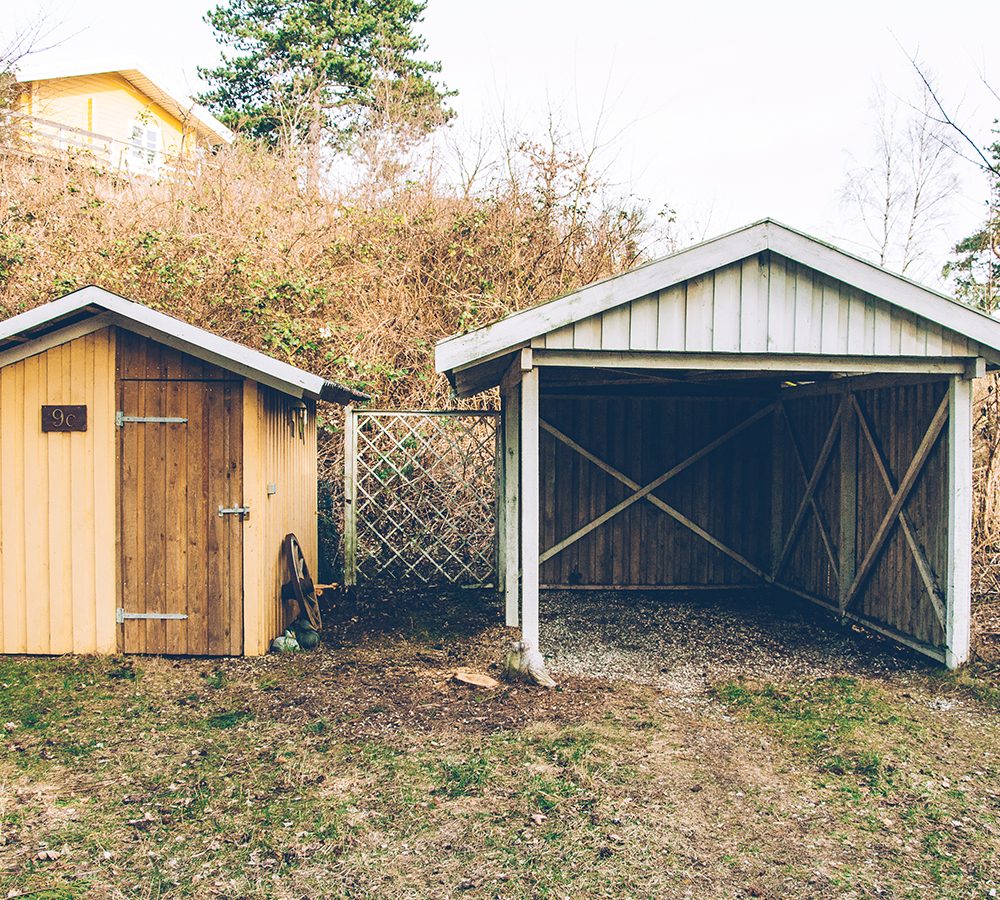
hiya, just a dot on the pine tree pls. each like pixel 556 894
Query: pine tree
pixel 975 270
pixel 309 73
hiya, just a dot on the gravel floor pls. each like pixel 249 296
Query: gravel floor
pixel 682 642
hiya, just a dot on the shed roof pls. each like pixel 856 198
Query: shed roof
pixel 174 102
pixel 485 348
pixel 93 306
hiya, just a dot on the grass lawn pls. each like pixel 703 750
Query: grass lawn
pixel 362 770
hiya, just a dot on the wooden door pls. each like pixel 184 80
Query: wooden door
pixel 181 560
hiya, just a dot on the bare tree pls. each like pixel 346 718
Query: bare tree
pixel 974 269
pixel 37 35
pixel 901 198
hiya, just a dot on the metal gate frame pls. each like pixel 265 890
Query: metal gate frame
pixel 356 467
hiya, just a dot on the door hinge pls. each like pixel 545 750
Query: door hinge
pixel 242 511
pixel 122 419
pixel 121 615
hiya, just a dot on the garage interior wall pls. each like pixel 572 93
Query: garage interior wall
pixel 727 492
pixel 750 493
pixel 58 502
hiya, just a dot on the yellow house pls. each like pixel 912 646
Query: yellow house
pixel 122 117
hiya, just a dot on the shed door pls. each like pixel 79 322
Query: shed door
pixel 181 561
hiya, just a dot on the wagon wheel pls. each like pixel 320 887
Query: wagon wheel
pixel 300 587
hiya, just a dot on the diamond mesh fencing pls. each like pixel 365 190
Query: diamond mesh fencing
pixel 421 497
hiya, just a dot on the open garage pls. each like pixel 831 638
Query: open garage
pixel 762 410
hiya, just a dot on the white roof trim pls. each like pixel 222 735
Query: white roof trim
pixel 520 328
pixel 174 333
pixel 176 103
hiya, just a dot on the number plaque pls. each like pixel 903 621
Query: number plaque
pixel 64 418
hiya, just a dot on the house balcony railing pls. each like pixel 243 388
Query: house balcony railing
pixel 54 140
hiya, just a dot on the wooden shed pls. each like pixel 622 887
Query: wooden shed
pixel 760 410
pixel 149 471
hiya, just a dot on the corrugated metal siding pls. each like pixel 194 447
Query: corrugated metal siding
pixel 57 502
pixel 276 453
pixel 763 304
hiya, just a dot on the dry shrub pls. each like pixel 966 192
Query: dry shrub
pixel 356 283
pixel 986 519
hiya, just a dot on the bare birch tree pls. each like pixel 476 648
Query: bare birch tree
pixel 902 197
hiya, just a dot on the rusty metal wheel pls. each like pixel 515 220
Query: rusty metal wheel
pixel 300 586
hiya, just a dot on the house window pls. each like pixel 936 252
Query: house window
pixel 145 149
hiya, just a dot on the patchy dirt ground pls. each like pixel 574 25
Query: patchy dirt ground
pixel 693 749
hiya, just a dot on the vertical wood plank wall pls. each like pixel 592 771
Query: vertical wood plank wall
pixel 765 303
pixel 894 595
pixel 808 566
pixel 727 492
pixel 57 502
pixel 730 494
pixel 177 554
pixel 275 452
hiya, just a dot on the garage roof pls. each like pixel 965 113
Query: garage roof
pixel 880 291
pixel 92 306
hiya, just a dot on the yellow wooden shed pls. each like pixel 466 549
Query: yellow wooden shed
pixel 149 472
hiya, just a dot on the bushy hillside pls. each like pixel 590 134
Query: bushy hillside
pixel 355 285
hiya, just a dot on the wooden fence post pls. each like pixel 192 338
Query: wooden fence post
pixel 511 473
pixel 350 498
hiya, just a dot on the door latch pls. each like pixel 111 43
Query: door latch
pixel 121 419
pixel 121 616
pixel 242 511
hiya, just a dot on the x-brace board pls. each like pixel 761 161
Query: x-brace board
pixel 910 531
pixel 895 510
pixel 645 492
pixel 812 481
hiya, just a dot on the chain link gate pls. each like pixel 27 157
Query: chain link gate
pixel 421 497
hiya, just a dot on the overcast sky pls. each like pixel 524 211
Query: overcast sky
pixel 725 111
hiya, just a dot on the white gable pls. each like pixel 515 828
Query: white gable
pixel 764 304
pixel 762 289
pixel 66 317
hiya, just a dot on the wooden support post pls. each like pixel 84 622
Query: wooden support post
pixel 959 596
pixel 350 498
pixel 848 503
pixel 529 506
pixel 510 402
